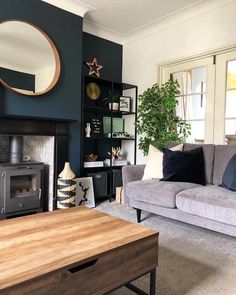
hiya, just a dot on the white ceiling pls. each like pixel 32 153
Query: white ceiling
pixel 125 16
pixel 122 20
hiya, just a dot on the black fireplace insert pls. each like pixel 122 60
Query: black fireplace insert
pixel 20 189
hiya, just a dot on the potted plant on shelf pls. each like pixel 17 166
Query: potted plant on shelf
pixel 158 123
pixel 112 102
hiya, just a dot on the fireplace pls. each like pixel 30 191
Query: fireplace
pixel 32 154
pixel 20 189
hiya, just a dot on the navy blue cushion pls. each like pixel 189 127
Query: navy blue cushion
pixel 229 177
pixel 187 166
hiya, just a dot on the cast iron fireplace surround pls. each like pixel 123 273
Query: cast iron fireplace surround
pixel 29 174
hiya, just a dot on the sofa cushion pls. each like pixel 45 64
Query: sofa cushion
pixel 187 166
pixel 157 192
pixel 223 154
pixel 154 165
pixel 212 202
pixel 229 177
pixel 208 153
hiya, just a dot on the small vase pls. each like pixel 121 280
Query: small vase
pixel 66 188
pixel 87 130
pixel 114 106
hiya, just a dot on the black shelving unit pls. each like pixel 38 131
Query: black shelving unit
pixel 101 145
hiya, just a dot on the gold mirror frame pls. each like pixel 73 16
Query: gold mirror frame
pixel 56 57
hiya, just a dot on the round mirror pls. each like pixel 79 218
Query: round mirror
pixel 29 61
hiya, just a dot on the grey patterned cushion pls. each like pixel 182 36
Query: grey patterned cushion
pixel 212 202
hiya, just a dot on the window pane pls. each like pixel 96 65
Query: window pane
pixel 192 107
pixel 231 74
pixel 230 126
pixel 191 81
pixel 198 131
pixel 196 107
pixel 182 78
pixel 230 111
pixel 198 79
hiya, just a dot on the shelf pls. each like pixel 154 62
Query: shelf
pixel 97 168
pixel 120 85
pixel 104 167
pixel 92 109
pixel 107 138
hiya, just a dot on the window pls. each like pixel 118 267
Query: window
pixel 225 98
pixel 208 95
pixel 192 100
pixel 196 87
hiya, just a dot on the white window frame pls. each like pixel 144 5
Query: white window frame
pixel 208 62
pixel 216 62
pixel 220 104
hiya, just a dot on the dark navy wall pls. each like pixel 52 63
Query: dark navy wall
pixel 65 29
pixel 74 47
pixel 108 54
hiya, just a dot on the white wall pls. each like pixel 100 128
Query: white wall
pixel 211 30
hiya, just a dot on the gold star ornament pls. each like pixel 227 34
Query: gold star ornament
pixel 94 68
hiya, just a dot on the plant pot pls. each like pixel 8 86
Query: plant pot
pixel 114 106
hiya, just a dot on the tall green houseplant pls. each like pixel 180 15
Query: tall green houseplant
pixel 158 123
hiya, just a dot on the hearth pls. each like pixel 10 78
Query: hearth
pixel 20 188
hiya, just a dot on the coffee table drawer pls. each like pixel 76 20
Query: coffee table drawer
pixel 98 275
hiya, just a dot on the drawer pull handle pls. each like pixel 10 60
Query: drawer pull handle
pixel 82 266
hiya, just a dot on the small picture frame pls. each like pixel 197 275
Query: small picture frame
pixel 96 127
pixel 125 103
pixel 85 192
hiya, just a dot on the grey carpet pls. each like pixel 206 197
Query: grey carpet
pixel 192 260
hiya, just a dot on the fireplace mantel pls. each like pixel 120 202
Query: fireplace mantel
pixel 18 125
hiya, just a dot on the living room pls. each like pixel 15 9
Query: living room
pixel 104 50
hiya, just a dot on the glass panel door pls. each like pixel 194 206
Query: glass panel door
pixel 225 107
pixel 230 103
pixel 192 100
pixel 196 101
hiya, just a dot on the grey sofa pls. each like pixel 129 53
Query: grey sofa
pixel 209 206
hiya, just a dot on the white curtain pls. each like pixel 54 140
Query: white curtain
pixel 184 106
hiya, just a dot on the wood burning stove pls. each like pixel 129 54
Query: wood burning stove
pixel 20 189
pixel 20 183
pixel 15 126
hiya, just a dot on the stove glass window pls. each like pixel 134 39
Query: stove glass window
pixel 23 186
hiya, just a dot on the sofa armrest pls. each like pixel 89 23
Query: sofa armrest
pixel 131 173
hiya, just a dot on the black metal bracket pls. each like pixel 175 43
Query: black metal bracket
pixel 138 291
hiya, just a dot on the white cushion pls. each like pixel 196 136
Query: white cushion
pixel 154 165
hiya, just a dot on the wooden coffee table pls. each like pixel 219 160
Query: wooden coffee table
pixel 74 251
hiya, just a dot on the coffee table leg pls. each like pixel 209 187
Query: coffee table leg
pixel 138 291
pixel 153 282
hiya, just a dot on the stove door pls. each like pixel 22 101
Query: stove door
pixel 22 189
